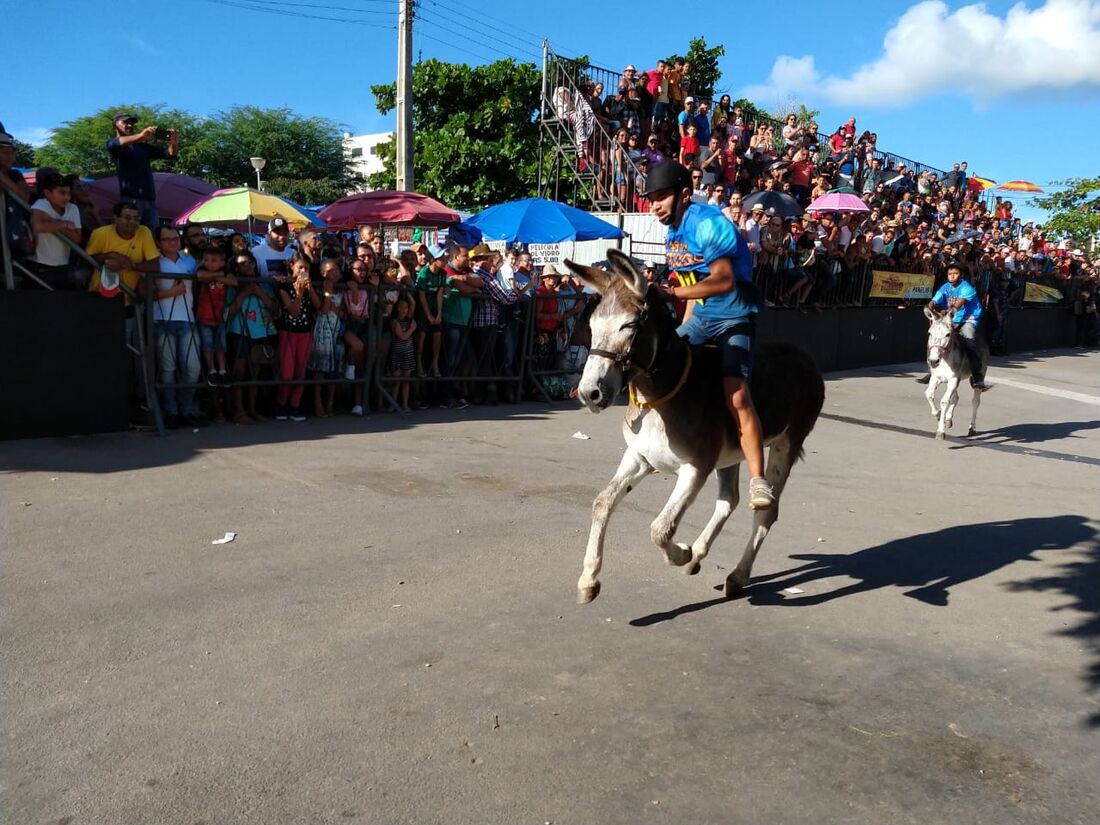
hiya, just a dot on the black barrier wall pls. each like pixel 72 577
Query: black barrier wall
pixel 64 366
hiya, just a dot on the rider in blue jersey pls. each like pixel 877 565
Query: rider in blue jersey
pixel 959 295
pixel 714 266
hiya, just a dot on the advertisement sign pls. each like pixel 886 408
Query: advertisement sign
pixel 1039 294
pixel 547 253
pixel 901 285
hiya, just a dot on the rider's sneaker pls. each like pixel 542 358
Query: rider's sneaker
pixel 924 379
pixel 980 384
pixel 761 496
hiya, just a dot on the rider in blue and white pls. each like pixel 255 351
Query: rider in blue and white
pixel 959 295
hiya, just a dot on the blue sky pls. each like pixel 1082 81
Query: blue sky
pixel 1012 88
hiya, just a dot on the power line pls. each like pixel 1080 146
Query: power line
pixel 454 45
pixel 488 43
pixel 538 37
pixel 299 5
pixel 242 4
pixel 482 24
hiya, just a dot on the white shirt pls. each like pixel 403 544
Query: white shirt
pixel 178 307
pixel 264 255
pixel 50 250
pixel 752 234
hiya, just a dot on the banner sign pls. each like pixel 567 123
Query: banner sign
pixel 1039 294
pixel 901 285
pixel 547 253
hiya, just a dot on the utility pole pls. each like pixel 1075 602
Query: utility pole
pixel 404 97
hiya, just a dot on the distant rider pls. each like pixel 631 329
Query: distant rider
pixel 959 295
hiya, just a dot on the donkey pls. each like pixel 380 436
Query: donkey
pixel 947 363
pixel 677 421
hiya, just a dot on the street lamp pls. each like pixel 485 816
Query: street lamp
pixel 258 164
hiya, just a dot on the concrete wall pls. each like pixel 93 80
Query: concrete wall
pixel 64 366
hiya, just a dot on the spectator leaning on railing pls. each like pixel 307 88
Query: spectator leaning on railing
pixel 53 216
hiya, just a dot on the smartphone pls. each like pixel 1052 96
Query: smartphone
pixel 161 134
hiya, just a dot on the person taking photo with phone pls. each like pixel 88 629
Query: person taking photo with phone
pixel 132 150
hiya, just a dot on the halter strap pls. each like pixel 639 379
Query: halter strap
pixel 664 399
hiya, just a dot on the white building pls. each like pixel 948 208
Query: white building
pixel 362 149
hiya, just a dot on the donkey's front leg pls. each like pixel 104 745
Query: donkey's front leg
pixel 930 394
pixel 728 496
pixel 689 480
pixel 947 406
pixel 632 469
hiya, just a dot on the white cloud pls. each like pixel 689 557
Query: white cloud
pixel 931 50
pixel 35 135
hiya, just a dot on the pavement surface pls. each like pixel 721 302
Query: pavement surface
pixel 392 636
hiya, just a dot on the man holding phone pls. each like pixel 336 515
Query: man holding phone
pixel 132 151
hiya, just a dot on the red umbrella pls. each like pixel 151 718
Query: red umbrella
pixel 387 208
pixel 175 194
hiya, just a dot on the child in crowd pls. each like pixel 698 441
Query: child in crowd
pixel 356 327
pixel 300 304
pixel 430 282
pixel 210 308
pixel 328 350
pixel 402 356
pixel 689 147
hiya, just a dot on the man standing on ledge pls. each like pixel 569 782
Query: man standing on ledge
pixel 132 152
pixel 715 269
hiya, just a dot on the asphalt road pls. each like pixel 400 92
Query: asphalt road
pixel 392 636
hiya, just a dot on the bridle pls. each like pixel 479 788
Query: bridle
pixel 942 349
pixel 626 360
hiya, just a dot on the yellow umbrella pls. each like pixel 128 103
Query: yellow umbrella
pixel 1020 186
pixel 243 203
pixel 983 183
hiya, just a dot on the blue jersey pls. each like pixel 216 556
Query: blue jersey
pixel 972 308
pixel 704 236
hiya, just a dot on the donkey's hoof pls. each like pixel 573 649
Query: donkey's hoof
pixel 940 436
pixel 587 594
pixel 971 432
pixel 735 585
pixel 678 554
pixel 691 569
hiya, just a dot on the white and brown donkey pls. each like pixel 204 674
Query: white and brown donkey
pixel 677 421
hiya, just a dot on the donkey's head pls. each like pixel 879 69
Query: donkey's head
pixel 625 338
pixel 941 335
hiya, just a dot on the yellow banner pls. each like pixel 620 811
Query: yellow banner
pixel 901 285
pixel 1039 294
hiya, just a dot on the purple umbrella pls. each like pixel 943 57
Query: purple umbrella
pixel 838 202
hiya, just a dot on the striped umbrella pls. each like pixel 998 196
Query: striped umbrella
pixel 1020 186
pixel 980 184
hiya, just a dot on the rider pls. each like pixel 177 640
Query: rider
pixel 959 295
pixel 714 265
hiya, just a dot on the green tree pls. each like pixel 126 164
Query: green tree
pixel 80 145
pixel 1075 210
pixel 305 155
pixel 704 73
pixel 475 136
pixel 24 154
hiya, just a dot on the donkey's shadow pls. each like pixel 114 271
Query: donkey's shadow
pixel 927 565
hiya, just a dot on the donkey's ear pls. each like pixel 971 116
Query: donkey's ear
pixel 595 278
pixel 930 313
pixel 622 266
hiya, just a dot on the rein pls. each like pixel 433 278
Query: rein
pixel 626 361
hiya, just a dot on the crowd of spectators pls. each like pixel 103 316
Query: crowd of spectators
pixel 916 220
pixel 444 325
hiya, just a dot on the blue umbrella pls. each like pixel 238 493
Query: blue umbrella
pixel 537 220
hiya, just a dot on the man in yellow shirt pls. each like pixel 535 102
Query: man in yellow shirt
pixel 125 247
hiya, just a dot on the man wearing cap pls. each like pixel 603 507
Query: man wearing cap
pixel 752 227
pixel 132 151
pixel 687 118
pixel 714 266
pixel 273 252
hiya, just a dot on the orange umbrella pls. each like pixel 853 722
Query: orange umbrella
pixel 1019 186
pixel 980 184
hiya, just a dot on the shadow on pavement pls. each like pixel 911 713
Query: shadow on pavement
pixel 121 452
pixel 928 564
pixel 1037 433
pixel 1079 582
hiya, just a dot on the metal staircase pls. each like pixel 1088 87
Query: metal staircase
pixel 569 171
